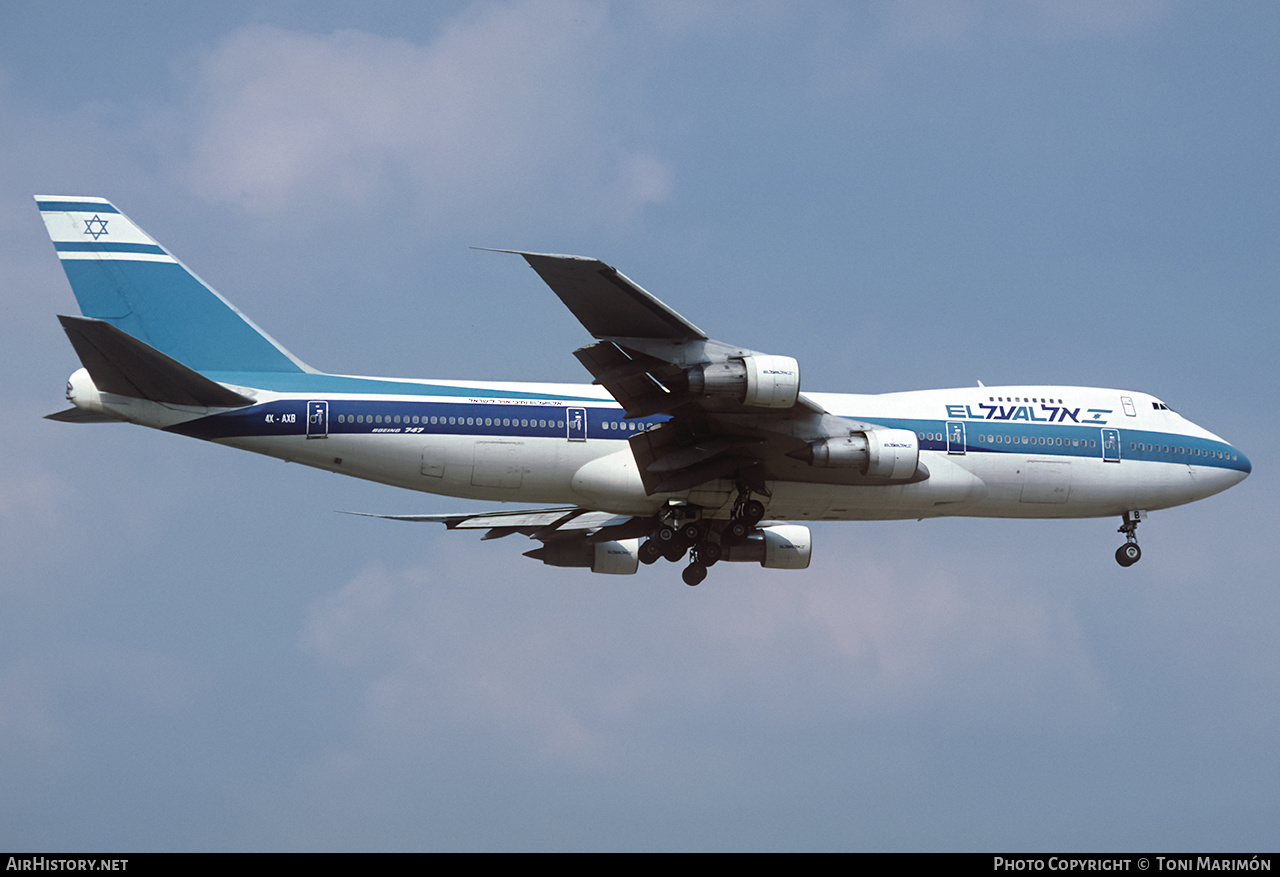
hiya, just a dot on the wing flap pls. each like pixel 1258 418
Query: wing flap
pixel 628 378
pixel 570 535
pixel 567 518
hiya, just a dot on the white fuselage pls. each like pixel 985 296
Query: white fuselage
pixel 1023 452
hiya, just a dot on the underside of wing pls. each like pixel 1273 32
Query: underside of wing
pixel 570 535
pixel 547 522
pixel 609 543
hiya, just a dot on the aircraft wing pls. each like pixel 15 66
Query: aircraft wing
pixel 733 412
pixel 570 535
pixel 607 302
pixel 539 523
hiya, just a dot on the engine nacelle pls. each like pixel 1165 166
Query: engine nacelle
pixel 777 546
pixel 893 454
pixel 845 452
pixel 772 381
pixel 760 380
pixel 618 558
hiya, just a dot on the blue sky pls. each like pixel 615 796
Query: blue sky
pixel 197 653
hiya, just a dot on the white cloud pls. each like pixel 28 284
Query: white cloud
pixel 893 629
pixel 425 657
pixel 506 105
pixel 574 671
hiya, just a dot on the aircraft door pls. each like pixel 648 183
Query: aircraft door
pixel 576 424
pixel 1111 445
pixel 317 420
pixel 955 437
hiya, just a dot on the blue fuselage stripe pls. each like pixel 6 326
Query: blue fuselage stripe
pixel 357 416
pixel 1076 441
pixel 366 417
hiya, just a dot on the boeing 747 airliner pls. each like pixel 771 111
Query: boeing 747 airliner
pixel 683 447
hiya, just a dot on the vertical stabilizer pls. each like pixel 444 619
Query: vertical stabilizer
pixel 120 275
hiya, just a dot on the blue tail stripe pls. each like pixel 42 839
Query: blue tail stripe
pixel 104 247
pixel 325 385
pixel 77 206
pixel 164 305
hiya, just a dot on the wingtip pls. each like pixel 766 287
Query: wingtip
pixel 529 254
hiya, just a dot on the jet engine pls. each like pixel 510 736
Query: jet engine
pixel 878 453
pixel 760 380
pixel 620 558
pixel 776 546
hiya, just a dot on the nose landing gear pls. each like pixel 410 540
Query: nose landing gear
pixel 1129 553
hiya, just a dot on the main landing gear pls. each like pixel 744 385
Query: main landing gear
pixel 1129 553
pixel 674 539
pixel 680 532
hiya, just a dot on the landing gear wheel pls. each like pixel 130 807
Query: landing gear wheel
pixel 708 553
pixel 1128 554
pixel 691 532
pixel 649 552
pixel 693 574
pixel 752 511
pixel 736 532
pixel 675 551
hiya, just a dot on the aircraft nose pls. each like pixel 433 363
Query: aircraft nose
pixel 1245 466
pixel 1236 471
pixel 1233 468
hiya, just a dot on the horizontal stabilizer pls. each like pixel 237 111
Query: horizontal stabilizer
pixel 121 364
pixel 79 415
